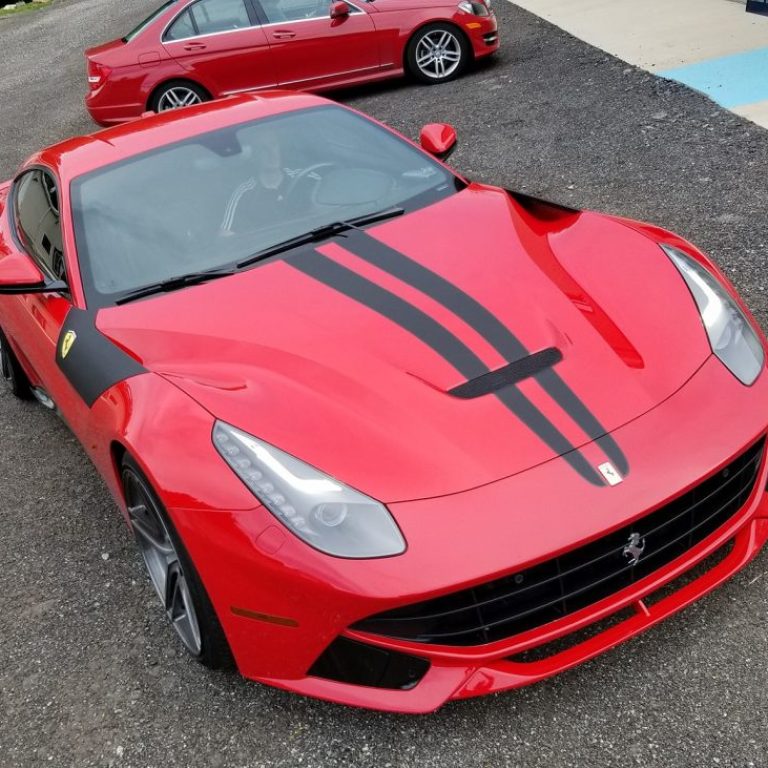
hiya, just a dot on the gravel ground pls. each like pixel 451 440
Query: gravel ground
pixel 91 675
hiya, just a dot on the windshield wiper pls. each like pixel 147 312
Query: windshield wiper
pixel 174 283
pixel 321 233
pixel 313 236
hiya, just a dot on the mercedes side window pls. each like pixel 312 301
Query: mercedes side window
pixel 144 24
pixel 207 17
pixel 36 203
pixel 278 11
pixel 181 28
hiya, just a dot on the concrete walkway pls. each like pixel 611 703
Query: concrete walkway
pixel 710 45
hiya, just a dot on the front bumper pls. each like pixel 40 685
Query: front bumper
pixel 282 604
pixel 482 32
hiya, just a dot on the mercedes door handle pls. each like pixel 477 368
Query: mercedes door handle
pixel 195 47
pixel 283 35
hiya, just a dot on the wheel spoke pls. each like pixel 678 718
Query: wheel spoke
pixel 438 54
pixel 5 365
pixel 425 50
pixel 177 97
pixel 143 527
pixel 171 595
pixel 180 610
pixel 162 561
pixel 174 98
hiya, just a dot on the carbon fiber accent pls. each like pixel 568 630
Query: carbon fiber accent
pixel 509 374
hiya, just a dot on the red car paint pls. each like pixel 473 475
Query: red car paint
pixel 476 494
pixel 315 54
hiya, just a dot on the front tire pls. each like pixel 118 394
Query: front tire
pixel 11 371
pixel 176 94
pixel 172 573
pixel 438 53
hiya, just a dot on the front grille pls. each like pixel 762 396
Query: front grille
pixel 577 579
pixel 565 643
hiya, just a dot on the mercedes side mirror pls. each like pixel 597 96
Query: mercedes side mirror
pixel 339 10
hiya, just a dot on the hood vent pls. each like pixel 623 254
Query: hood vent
pixel 521 369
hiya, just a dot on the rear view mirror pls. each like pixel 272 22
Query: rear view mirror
pixel 18 274
pixel 439 139
pixel 339 9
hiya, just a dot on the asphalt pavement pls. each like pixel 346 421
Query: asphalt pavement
pixel 90 675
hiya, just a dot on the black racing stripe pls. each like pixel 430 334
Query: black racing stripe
pixel 441 290
pixel 552 383
pixel 487 325
pixel 392 307
pixel 93 363
pixel 442 341
pixel 537 422
pixel 511 373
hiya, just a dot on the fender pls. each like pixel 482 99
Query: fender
pixel 88 359
pixel 149 417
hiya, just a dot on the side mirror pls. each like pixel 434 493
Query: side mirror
pixel 18 274
pixel 439 139
pixel 339 9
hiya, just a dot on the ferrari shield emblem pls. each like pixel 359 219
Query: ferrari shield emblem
pixel 610 473
pixel 69 339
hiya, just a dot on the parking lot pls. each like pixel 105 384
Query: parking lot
pixel 92 676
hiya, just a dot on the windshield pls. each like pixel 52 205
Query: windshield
pixel 138 30
pixel 220 197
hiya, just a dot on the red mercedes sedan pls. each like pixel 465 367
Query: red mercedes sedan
pixel 190 51
pixel 384 436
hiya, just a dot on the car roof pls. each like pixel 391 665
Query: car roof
pixel 82 154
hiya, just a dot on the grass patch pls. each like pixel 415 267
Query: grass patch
pixel 27 7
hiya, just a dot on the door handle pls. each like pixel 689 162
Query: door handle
pixel 195 47
pixel 283 35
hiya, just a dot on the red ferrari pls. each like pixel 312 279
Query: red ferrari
pixel 384 436
pixel 190 51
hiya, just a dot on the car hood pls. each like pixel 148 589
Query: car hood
pixel 346 355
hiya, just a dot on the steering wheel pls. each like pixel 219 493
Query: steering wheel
pixel 303 174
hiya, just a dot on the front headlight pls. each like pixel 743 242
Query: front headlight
pixel 327 514
pixel 731 336
pixel 474 7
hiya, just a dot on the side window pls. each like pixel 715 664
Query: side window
pixel 278 11
pixel 181 28
pixel 144 24
pixel 36 202
pixel 208 17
